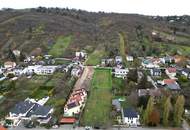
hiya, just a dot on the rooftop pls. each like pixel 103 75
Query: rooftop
pixel 130 113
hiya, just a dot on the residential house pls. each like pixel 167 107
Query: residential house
pixel 116 104
pixel 118 59
pixel 41 113
pixel 186 72
pixel 81 55
pixel 149 63
pixel 130 117
pixel 171 72
pixel 76 71
pixel 107 62
pixel 40 70
pixel 28 109
pixel 155 72
pixel 129 58
pixel 171 84
pixel 120 73
pixel 167 59
pixel 75 103
pixel 20 111
pixel 9 65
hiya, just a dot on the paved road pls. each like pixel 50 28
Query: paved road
pixel 69 127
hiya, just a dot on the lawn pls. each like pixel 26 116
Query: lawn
pixel 98 107
pixel 60 46
pixel 95 57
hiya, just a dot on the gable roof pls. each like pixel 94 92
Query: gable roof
pixel 42 110
pixel 171 70
pixel 169 81
pixel 67 120
pixel 173 86
pixel 22 107
pixel 130 113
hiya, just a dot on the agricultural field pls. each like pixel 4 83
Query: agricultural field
pixel 98 107
pixel 60 46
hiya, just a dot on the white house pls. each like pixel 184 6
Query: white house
pixel 76 72
pixel 9 65
pixel 120 73
pixel 118 59
pixel 155 72
pixel 167 59
pixel 130 117
pixel 40 70
pixel 129 58
pixel 171 72
pixel 186 72
pixel 81 54
pixel 149 64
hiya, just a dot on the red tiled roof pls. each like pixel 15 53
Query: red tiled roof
pixel 171 70
pixel 67 120
pixel 2 128
pixel 76 98
pixel 169 81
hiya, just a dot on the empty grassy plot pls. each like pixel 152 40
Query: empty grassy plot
pixel 98 107
pixel 60 46
pixel 95 57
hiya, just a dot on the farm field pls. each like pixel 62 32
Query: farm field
pixel 98 105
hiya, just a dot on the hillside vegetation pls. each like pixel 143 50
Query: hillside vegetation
pixel 61 31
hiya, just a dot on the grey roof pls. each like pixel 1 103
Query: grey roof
pixel 156 70
pixel 116 103
pixel 22 107
pixel 71 105
pixel 173 86
pixel 42 110
pixel 130 113
pixel 39 110
pixel 186 70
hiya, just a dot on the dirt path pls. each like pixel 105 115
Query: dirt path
pixel 84 80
